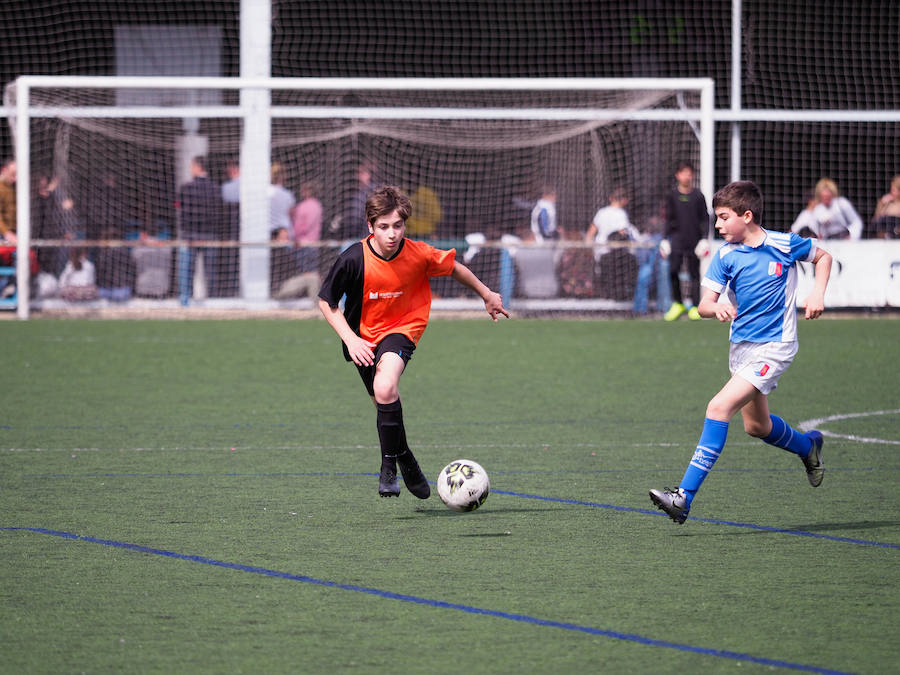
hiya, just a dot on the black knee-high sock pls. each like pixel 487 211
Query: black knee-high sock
pixel 391 433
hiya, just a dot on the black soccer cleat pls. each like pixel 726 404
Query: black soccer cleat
pixel 388 484
pixel 815 467
pixel 412 475
pixel 672 502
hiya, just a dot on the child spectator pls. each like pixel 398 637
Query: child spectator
pixel 78 281
pixel 687 222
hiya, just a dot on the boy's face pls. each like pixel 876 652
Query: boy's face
pixel 388 231
pixel 685 177
pixel 732 226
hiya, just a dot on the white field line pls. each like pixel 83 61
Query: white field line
pixel 816 423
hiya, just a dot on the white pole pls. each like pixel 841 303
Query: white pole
pixel 707 142
pixel 256 37
pixel 23 198
pixel 736 88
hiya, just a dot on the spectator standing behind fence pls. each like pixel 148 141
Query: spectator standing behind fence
pixel 352 225
pixel 652 267
pixel 835 215
pixel 229 258
pixel 231 188
pixel 543 216
pixel 281 202
pixel 200 209
pixel 105 211
pixel 687 222
pixel 54 218
pixel 886 219
pixel 8 224
pixel 308 226
pixel 426 213
pixel 8 201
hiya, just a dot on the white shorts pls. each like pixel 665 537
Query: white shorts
pixel 761 363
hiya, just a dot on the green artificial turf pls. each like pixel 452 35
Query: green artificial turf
pixel 202 497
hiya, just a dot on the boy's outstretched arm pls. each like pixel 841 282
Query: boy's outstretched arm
pixel 493 303
pixel 711 308
pixel 360 350
pixel 815 303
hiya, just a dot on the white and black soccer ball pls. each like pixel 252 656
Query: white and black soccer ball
pixel 463 485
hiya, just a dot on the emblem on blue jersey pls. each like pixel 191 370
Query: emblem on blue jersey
pixel 774 269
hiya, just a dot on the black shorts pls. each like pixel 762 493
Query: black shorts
pixel 395 343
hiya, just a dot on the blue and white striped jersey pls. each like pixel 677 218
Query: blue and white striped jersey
pixel 761 283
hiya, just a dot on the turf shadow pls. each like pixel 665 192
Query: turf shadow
pixel 445 513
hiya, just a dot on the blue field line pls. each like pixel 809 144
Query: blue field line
pixel 521 495
pixel 440 604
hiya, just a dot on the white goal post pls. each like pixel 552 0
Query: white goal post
pixel 252 105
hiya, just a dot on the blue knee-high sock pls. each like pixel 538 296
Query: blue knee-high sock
pixel 787 438
pixel 712 440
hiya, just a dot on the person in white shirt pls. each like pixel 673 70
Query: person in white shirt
pixel 78 280
pixel 835 215
pixel 610 219
pixel 281 202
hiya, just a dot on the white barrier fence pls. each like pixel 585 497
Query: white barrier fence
pixel 865 274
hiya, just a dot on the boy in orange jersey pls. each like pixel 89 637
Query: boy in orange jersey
pixel 388 301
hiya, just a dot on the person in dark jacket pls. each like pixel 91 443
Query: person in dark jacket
pixel 199 208
pixel 687 222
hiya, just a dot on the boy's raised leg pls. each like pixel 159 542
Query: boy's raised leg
pixel 807 446
pixel 815 467
pixel 412 475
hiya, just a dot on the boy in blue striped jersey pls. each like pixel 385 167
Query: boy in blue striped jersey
pixel 757 270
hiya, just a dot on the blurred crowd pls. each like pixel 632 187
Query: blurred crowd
pixel 105 248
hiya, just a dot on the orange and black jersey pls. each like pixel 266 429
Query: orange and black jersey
pixel 386 296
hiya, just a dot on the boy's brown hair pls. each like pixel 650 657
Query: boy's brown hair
pixel 385 200
pixel 740 196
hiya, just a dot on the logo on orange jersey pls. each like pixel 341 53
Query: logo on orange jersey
pixel 384 295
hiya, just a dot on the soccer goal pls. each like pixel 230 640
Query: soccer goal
pixel 102 160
